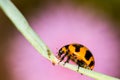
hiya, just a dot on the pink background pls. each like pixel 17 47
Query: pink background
pixel 59 25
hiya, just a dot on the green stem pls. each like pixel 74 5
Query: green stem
pixel 22 25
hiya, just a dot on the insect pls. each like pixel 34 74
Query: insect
pixel 78 54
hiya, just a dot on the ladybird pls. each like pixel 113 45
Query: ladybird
pixel 77 53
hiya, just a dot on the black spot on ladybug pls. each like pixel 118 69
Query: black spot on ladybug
pixel 77 47
pixel 91 63
pixel 80 63
pixel 66 46
pixel 88 55
pixel 73 54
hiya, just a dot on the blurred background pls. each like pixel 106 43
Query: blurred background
pixel 94 23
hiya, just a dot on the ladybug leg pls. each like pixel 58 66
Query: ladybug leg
pixel 78 69
pixel 63 57
pixel 80 63
pixel 67 61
